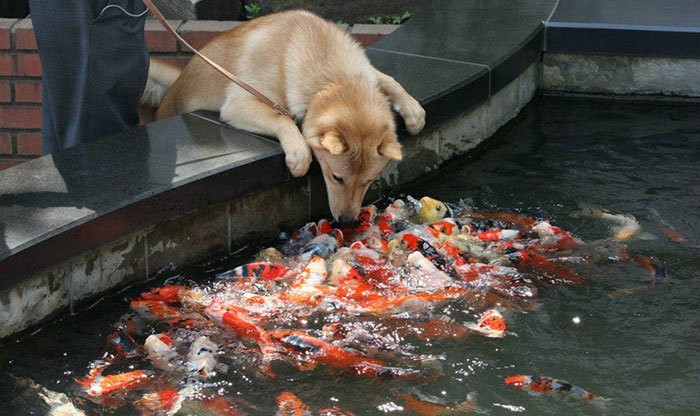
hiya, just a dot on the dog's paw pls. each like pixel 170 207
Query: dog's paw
pixel 298 160
pixel 413 114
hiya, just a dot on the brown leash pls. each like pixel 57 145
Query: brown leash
pixel 262 97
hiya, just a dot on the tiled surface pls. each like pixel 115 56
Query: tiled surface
pixel 626 27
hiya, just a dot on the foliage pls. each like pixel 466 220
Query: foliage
pixel 252 10
pixel 394 20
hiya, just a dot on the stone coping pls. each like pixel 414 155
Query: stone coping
pixel 453 56
pixel 649 28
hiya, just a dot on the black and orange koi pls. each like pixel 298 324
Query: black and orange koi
pixel 542 384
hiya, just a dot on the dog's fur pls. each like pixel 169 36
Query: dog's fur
pixel 320 74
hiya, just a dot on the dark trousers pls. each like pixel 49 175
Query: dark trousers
pixel 94 64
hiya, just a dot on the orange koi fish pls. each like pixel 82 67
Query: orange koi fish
pixel 95 384
pixel 541 384
pixel 498 235
pixel 164 402
pixel 522 222
pixel 668 230
pixel 432 406
pixel 263 270
pixel 313 349
pixel 248 330
pixel 289 404
pixel 167 293
pixel 530 259
pixel 154 309
pixel 491 324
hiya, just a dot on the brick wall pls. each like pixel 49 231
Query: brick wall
pixel 20 74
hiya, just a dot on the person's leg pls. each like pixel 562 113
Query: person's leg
pixel 94 67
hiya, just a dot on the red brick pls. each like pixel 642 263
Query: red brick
pixel 158 38
pixel 28 65
pixel 28 91
pixel 5 34
pixel 29 144
pixel 7 64
pixel 8 163
pixel 369 34
pixel 24 35
pixel 5 143
pixel 5 91
pixel 199 32
pixel 20 117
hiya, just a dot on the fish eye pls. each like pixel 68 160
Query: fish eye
pixel 338 179
pixel 438 208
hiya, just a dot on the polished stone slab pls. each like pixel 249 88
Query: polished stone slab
pixel 626 27
pixel 444 87
pixel 476 32
pixel 92 194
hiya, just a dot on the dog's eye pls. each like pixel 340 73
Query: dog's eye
pixel 338 179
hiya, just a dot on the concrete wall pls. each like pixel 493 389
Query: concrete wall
pixel 626 75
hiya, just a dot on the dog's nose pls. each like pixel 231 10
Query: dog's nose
pixel 345 219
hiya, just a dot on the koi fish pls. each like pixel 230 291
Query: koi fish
pixel 95 384
pixel 161 352
pixel 123 343
pixel 289 404
pixel 498 235
pixel 201 359
pixel 154 309
pixel 668 230
pixel 491 324
pixel 263 270
pixel 540 384
pixel 522 222
pixel 165 402
pixel 431 210
pixel 323 245
pixel 626 225
pixel 59 404
pixel 426 405
pixel 312 349
pixel 167 293
pixel 530 259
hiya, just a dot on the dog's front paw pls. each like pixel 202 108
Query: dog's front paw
pixel 298 160
pixel 413 114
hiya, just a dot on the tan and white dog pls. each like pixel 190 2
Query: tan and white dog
pixel 318 72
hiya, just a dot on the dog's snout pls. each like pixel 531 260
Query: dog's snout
pixel 345 219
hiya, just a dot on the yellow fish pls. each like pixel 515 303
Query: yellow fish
pixel 431 210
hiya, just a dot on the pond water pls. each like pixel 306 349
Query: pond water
pixel 616 335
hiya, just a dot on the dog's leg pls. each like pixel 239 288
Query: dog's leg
pixel 411 111
pixel 246 112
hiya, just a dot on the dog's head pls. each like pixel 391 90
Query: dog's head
pixel 352 133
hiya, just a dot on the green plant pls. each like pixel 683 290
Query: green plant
pixel 397 20
pixel 252 10
pixel 394 20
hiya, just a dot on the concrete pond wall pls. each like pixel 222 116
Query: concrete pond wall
pixel 86 221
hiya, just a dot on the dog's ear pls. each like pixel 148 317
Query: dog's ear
pixel 332 142
pixel 390 149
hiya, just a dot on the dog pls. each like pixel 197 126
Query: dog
pixel 317 71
